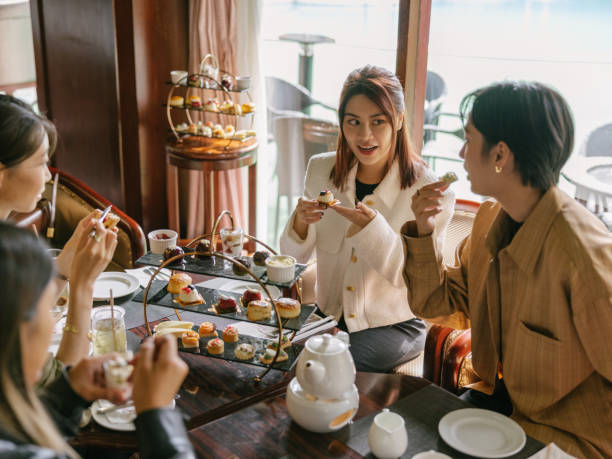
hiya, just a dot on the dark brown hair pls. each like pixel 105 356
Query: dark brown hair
pixel 22 131
pixel 532 119
pixel 384 89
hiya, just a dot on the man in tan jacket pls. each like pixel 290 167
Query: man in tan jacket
pixel 533 280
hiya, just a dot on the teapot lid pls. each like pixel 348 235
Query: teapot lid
pixel 326 344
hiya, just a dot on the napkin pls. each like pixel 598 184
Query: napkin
pixel 551 451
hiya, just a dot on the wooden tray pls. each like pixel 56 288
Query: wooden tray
pixel 218 267
pixel 259 344
pixel 159 296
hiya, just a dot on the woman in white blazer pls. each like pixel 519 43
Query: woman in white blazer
pixel 356 243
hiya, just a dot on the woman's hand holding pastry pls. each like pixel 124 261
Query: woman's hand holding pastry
pixel 87 379
pixel 360 216
pixel 64 259
pixel 158 373
pixel 426 205
pixel 307 212
pixel 91 255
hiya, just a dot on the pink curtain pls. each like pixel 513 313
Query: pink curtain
pixel 212 30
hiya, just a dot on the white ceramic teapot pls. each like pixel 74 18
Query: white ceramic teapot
pixel 325 368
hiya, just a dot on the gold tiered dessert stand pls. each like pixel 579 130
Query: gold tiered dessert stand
pixel 212 252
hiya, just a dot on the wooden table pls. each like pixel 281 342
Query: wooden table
pixel 210 155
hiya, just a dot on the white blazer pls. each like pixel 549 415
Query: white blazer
pixel 359 272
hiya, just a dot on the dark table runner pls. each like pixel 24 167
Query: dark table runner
pixel 422 412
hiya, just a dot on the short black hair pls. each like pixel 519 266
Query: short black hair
pixel 532 119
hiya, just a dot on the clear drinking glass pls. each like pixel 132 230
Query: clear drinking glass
pixel 232 241
pixel 102 325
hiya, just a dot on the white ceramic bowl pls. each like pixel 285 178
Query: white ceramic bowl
pixel 177 75
pixel 159 245
pixel 243 82
pixel 281 268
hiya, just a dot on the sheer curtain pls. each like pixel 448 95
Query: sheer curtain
pixel 213 29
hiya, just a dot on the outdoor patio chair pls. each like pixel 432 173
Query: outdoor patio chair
pixel 598 142
pixel 435 93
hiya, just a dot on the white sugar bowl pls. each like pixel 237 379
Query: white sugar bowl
pixel 325 367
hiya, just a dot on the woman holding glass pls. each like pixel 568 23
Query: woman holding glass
pixel 26 142
pixel 33 426
pixel 356 243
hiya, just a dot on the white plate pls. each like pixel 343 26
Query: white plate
pixel 239 286
pixel 481 433
pixel 121 419
pixel 122 284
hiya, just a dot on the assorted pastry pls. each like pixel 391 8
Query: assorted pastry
pixel 173 252
pixel 111 220
pixel 177 101
pixel 268 356
pixel 215 346
pixel 204 248
pixel 239 269
pixel 259 257
pixel 288 308
pixel 326 198
pixel 230 334
pixel 449 178
pixel 250 294
pixel 226 305
pixel 259 310
pixel 244 351
pixel 190 340
pixel 211 130
pixel 189 296
pixel 208 330
pixel 177 282
pixel 285 342
pixel 194 101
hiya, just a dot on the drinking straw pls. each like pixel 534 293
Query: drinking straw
pixel 112 306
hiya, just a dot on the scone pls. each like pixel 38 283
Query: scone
pixel 230 334
pixel 259 310
pixel 268 356
pixel 244 351
pixel 190 340
pixel 177 282
pixel 207 330
pixel 177 101
pixel 215 346
pixel 288 308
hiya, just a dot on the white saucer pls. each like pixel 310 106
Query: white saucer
pixel 122 284
pixel 121 419
pixel 481 433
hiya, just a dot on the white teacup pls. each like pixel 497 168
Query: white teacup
pixel 177 75
pixel 243 82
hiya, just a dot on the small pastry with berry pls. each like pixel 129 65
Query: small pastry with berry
pixel 208 330
pixel 226 305
pixel 173 252
pixel 189 296
pixel 326 198
pixel 250 294
pixel 195 102
pixel 203 247
pixel 215 346
pixel 190 340
pixel 230 334
pixel 244 351
pixel 268 356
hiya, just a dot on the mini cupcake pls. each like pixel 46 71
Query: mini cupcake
pixel 215 346
pixel 230 334
pixel 190 340
pixel 207 330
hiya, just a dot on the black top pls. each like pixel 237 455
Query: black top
pixel 363 189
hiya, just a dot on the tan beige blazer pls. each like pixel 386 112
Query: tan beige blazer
pixel 541 304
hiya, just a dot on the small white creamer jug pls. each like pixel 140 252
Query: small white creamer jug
pixel 387 437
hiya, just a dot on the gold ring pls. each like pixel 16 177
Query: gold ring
pixel 97 237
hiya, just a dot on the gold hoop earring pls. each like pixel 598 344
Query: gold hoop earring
pixel 498 169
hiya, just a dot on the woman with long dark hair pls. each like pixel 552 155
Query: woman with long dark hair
pixel 357 244
pixel 26 142
pixel 33 427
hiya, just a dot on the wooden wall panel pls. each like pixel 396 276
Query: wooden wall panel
pixel 81 91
